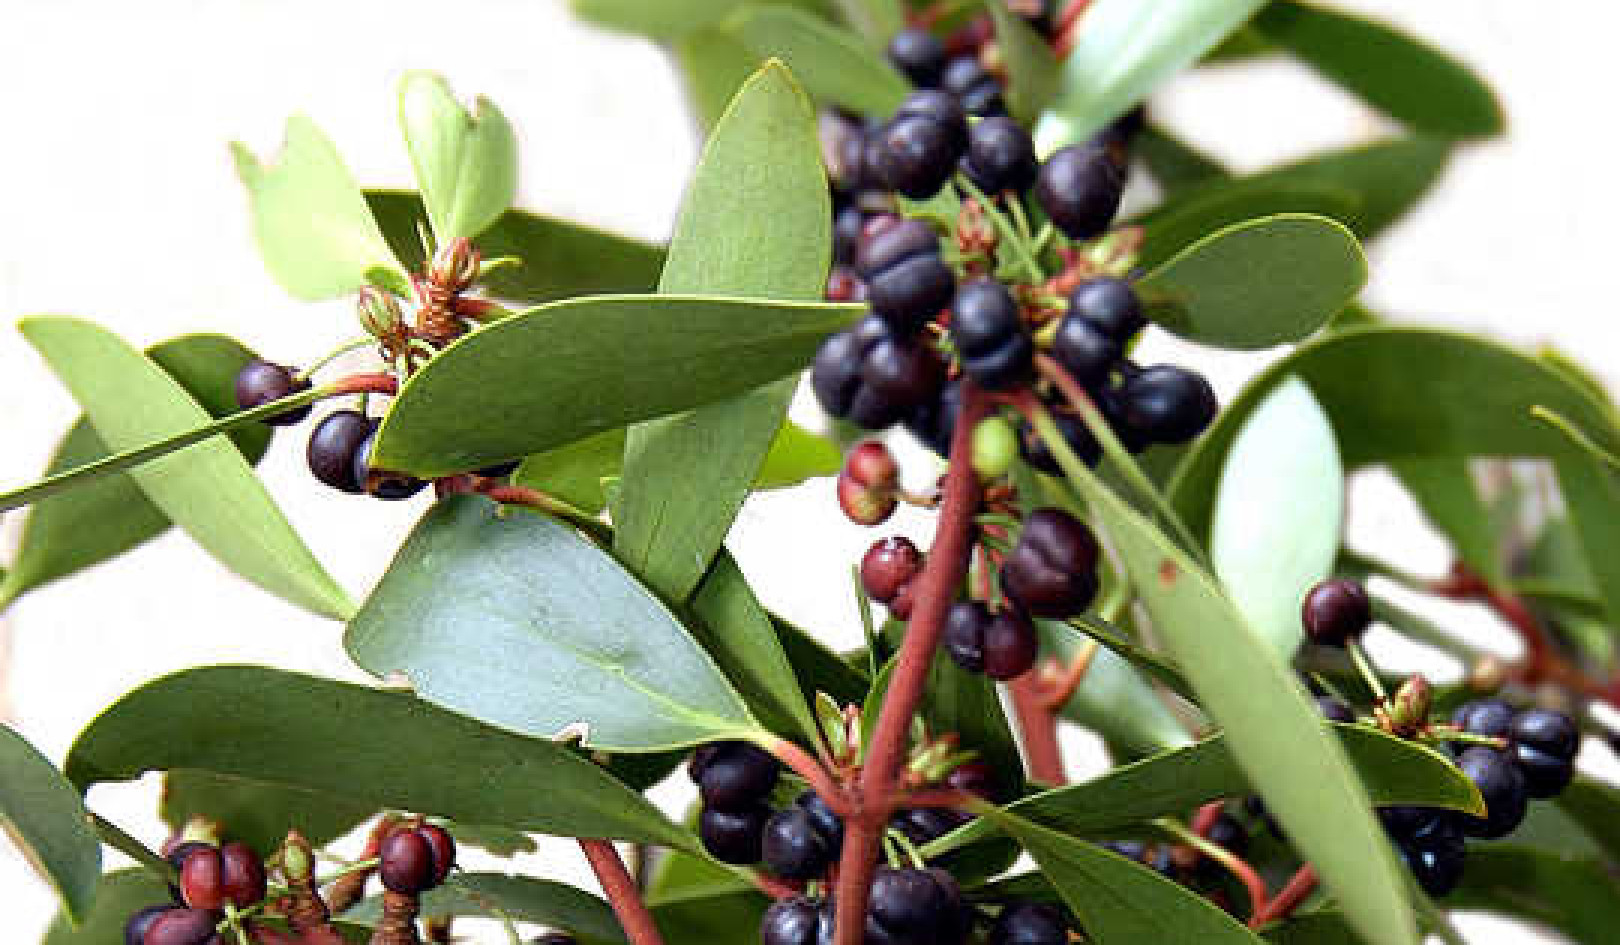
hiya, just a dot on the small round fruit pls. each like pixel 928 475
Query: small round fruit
pixel 872 465
pixel 1010 645
pixel 901 374
pixel 737 776
pixel 907 903
pixel 910 293
pixel 915 156
pixel 924 825
pixel 990 337
pixel 835 376
pixel 332 445
pixel 1490 718
pixel 995 448
pixel 1080 188
pixel 380 483
pixel 827 822
pixel 1029 923
pixel 941 107
pixel 405 863
pixel 964 634
pixel 183 927
pixel 1000 156
pixel 1168 404
pixel 864 505
pixel 1545 775
pixel 1052 570
pixel 1552 732
pixel 1436 859
pixel 135 929
pixel 794 921
pixel 974 777
pixel 890 564
pixel 260 383
pixel 1111 305
pixel 1075 433
pixel 1501 785
pixel 1087 352
pixel 919 55
pixel 793 847
pixel 889 241
pixel 1334 709
pixel 1336 611
pixel 976 89
pixel 734 837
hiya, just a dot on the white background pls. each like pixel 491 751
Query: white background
pixel 119 203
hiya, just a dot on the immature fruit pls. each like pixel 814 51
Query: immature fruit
pixel 793 921
pixel 989 334
pixel 210 878
pixel 1052 571
pixel 793 847
pixel 380 483
pixel 1075 433
pixel 135 929
pixel 1029 923
pixel 1109 304
pixel 889 565
pixel 1543 745
pixel 1501 785
pixel 995 448
pixel 734 837
pixel 1168 404
pixel 915 156
pixel 867 483
pixel 1000 156
pixel 919 56
pixel 183 927
pixel 1087 352
pixel 1079 188
pixel 260 383
pixel 1488 717
pixel 413 860
pixel 735 776
pixel 1336 611
pixel 332 445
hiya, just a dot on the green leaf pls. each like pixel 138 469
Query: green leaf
pixel 209 489
pixel 1225 290
pixel 315 233
pixel 1596 807
pixel 1129 47
pixel 1577 897
pixel 519 898
pixel 969 704
pixel 1114 700
pixel 1118 900
pixel 737 632
pixel 1174 164
pixel 1273 729
pixel 110 516
pixel 1319 928
pixel 556 259
pixel 706 920
pixel 516 620
pixel 685 476
pixel 466 164
pixel 118 896
pixel 796 455
pixel 1445 490
pixel 715 65
pixel 1407 80
pixel 257 813
pixel 1278 513
pixel 563 371
pixel 1185 219
pixel 48 824
pixel 1032 67
pixel 877 20
pixel 820 669
pixel 834 65
pixel 658 19
pixel 385 749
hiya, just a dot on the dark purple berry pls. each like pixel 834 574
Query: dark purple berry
pixel 915 156
pixel 135 929
pixel 734 837
pixel 736 776
pixel 793 921
pixel 974 777
pixel 919 55
pixel 887 242
pixel 1335 710
pixel 924 825
pixel 909 904
pixel 183 927
pixel 413 860
pixel 332 445
pixel 1168 404
pixel 889 565
pixel 1079 188
pixel 964 634
pixel 1435 858
pixel 1000 156
pixel 1052 570
pixel 989 335
pixel 984 100
pixel 380 483
pixel 1075 433
pixel 911 292
pixel 1336 611
pixel 1545 775
pixel 260 383
pixel 1010 645
pixel 1490 718
pixel 976 89
pixel 941 107
pixel 1029 923
pixel 1543 744
pixel 874 378
pixel 827 822
pixel 1109 304
pixel 933 421
pixel 793 847
pixel 1085 350
pixel 1501 785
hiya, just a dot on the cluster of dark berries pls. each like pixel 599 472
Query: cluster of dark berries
pixel 210 879
pixel 914 907
pixel 735 781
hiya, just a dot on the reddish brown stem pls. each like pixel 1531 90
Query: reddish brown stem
pixel 366 384
pixel 1206 816
pixel 1285 902
pixel 621 892
pixel 938 797
pixel 1037 724
pixel 936 587
pixel 807 767
pixel 772 886
pixel 1058 687
pixel 347 889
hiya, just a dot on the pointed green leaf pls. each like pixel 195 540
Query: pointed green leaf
pixel 834 65
pixel 316 236
pixel 1224 290
pixel 466 164
pixel 568 369
pixel 118 896
pixel 1278 513
pixel 1407 80
pixel 519 898
pixel 1578 897
pixel 386 749
pixel 48 823
pixel 685 476
pixel 208 489
pixel 1127 48
pixel 257 813
pixel 969 704
pixel 110 516
pixel 796 455
pixel 1596 807
pixel 1032 67
pixel 1185 219
pixel 877 20
pixel 516 620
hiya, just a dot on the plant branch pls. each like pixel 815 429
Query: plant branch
pixel 1234 864
pixel 809 768
pixel 1282 905
pixel 621 891
pixel 1037 728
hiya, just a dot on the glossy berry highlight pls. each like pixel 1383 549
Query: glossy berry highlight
pixel 1336 612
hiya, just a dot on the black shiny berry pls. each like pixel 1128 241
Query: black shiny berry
pixel 183 927
pixel 1085 351
pixel 380 483
pixel 889 565
pixel 1111 305
pixel 1001 645
pixel 332 445
pixel 924 825
pixel 990 337
pixel 1543 744
pixel 734 775
pixel 933 422
pixel 1490 718
pixel 413 860
pixel 827 822
pixel 915 156
pixel 1168 404
pixel 734 837
pixel 941 107
pixel 907 283
pixel 1080 188
pixel 1435 857
pixel 1000 156
pixel 976 89
pixel 974 777
pixel 963 636
pixel 873 377
pixel 794 921
pixel 914 905
pixel 793 847
pixel 260 383
pixel 1029 923
pixel 919 55
pixel 1336 611
pixel 1075 433
pixel 1052 570
pixel 135 928
pixel 1501 785
pixel 1335 709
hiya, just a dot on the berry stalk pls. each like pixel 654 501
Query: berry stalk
pixel 621 891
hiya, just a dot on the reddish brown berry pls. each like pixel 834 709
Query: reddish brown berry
pixel 1336 612
pixel 888 566
pixel 1052 571
pixel 414 860
pixel 183 927
pixel 210 878
pixel 864 505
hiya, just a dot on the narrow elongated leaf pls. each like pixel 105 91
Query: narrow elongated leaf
pixel 520 898
pixel 1272 728
pixel 1119 900
pixel 1578 897
pixel 659 19
pixel 47 821
pixel 820 669
pixel 685 476
pixel 387 749
pixel 1175 164
pixel 1596 807
pixel 1114 700
pixel 1405 79
pixel 118 896
pixel 516 620
pixel 110 516
pixel 834 65
pixel 1127 48
pixel 969 704
pixel 877 20
pixel 207 489
pixel 1032 67
pixel 257 813
pixel 556 259
pixel 1278 513
pixel 316 236
pixel 1224 289
pixel 466 164
pixel 796 455
pixel 568 369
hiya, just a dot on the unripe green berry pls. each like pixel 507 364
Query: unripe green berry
pixel 995 446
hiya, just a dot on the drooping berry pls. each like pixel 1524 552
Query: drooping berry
pixel 907 283
pixel 1052 570
pixel 1501 785
pixel 1435 855
pixel 794 921
pixel 1543 744
pixel 990 337
pixel 793 847
pixel 210 878
pixel 734 837
pixel 1080 188
pixel 183 927
pixel 1075 433
pixel 1168 404
pixel 889 565
pixel 135 929
pixel 736 776
pixel 1001 645
pixel 1334 709
pixel 1029 923
pixel 332 446
pixel 914 156
pixel 1000 156
pixel 919 55
pixel 413 860
pixel 912 905
pixel 1336 611
pixel 977 90
pixel 1087 352
pixel 1490 718
pixel 1109 304
pixel 260 383
pixel 381 483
